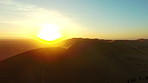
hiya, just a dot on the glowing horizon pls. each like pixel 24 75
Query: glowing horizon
pixel 99 19
pixel 49 32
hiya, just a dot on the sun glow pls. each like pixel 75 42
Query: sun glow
pixel 49 32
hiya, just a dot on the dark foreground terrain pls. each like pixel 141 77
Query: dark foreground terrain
pixel 11 47
pixel 80 61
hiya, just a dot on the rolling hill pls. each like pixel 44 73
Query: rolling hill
pixel 80 61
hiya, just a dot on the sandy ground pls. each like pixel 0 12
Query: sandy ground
pixel 11 47
pixel 83 61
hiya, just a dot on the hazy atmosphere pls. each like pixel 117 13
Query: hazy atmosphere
pixel 105 19
pixel 73 41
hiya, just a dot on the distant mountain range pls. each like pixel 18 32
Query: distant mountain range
pixel 80 61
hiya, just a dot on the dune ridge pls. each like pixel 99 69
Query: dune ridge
pixel 80 61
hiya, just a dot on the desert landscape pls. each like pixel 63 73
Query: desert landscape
pixel 10 47
pixel 73 41
pixel 79 60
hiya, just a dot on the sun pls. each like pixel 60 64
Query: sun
pixel 49 32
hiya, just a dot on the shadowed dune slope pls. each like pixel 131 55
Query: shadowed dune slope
pixel 84 61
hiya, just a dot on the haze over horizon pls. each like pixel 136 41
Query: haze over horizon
pixel 74 41
pixel 105 19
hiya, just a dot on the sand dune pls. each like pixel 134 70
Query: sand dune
pixel 80 61
pixel 11 47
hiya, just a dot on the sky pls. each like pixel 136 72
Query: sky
pixel 103 19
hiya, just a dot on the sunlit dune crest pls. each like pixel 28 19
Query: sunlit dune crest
pixel 49 32
pixel 83 61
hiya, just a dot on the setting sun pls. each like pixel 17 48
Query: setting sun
pixel 49 32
